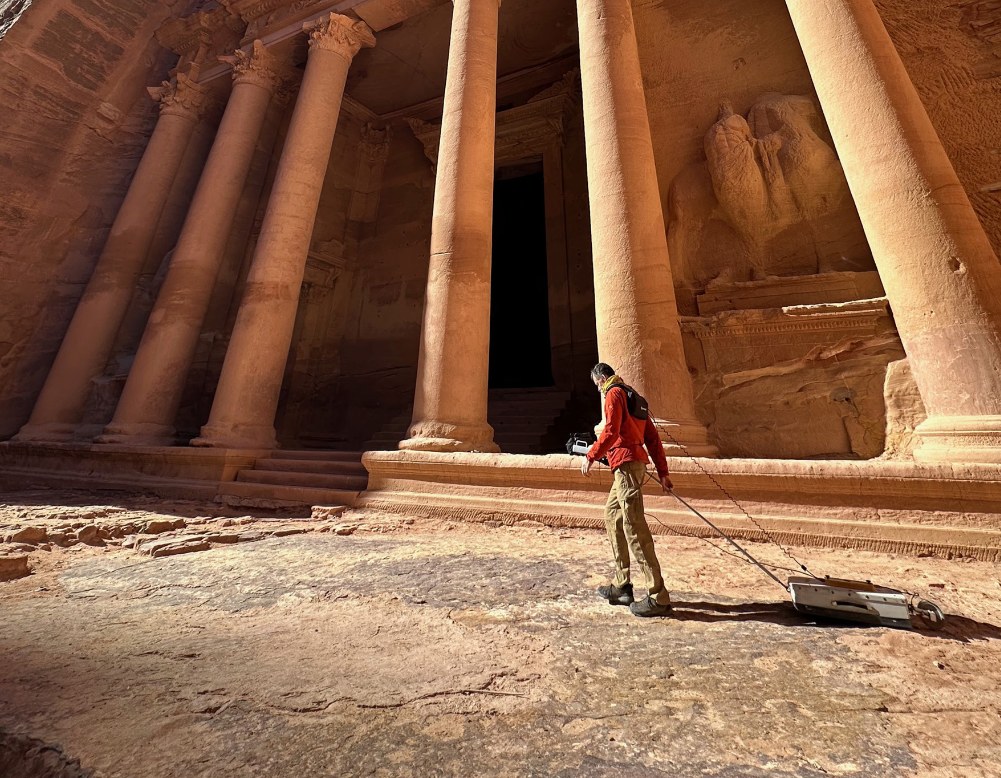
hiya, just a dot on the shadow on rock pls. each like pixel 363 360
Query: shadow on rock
pixel 958 628
pixel 963 630
pixel 26 757
pixel 770 612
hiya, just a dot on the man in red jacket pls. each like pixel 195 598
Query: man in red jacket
pixel 622 441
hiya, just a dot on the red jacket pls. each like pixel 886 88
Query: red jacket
pixel 623 438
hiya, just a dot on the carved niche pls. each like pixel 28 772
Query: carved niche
pixel 770 199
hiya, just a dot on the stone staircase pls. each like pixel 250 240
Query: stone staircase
pixel 298 478
pixel 525 421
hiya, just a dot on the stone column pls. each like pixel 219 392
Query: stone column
pixel 243 411
pixel 91 335
pixel 450 408
pixel 149 402
pixel 940 273
pixel 635 308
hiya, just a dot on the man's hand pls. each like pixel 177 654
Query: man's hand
pixel 585 467
pixel 665 482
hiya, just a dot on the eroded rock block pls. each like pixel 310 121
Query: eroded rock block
pixel 14 566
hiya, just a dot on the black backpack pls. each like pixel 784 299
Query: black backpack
pixel 638 407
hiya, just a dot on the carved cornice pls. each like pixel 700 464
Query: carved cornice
pixel 339 35
pixel 180 96
pixel 263 16
pixel 864 316
pixel 253 9
pixel 258 66
pixel 196 37
pixel 522 132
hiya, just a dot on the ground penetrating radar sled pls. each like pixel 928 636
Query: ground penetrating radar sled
pixel 845 599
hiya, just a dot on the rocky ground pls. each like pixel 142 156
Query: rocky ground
pixel 361 644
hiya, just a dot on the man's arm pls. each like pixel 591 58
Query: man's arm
pixel 615 407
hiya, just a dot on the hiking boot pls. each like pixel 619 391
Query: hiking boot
pixel 650 607
pixel 617 596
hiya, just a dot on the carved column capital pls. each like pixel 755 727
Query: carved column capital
pixel 259 67
pixel 180 96
pixel 340 35
pixel 375 142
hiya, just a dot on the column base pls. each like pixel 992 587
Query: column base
pixel 236 436
pixel 685 437
pixel 138 435
pixel 442 436
pixel 967 439
pixel 51 432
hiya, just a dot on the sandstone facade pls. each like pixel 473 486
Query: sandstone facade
pixel 780 223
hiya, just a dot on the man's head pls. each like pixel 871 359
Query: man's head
pixel 600 373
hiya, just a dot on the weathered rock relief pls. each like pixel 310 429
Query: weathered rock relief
pixel 769 200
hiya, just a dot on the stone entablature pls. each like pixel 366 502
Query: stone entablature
pixel 200 37
pixel 265 17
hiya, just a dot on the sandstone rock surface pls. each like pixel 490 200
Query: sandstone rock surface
pixel 441 648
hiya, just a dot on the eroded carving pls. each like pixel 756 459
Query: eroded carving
pixel 258 66
pixel 339 35
pixel 180 96
pixel 770 200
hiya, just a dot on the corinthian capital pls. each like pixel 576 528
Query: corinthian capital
pixel 259 66
pixel 181 97
pixel 340 35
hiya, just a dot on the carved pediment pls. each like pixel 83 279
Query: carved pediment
pixel 523 131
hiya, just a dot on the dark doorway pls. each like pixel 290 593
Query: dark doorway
pixel 520 351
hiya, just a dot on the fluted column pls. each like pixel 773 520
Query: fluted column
pixel 635 308
pixel 243 411
pixel 940 273
pixel 91 335
pixel 450 408
pixel 152 393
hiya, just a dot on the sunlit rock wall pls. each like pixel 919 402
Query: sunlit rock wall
pixel 74 119
pixel 952 50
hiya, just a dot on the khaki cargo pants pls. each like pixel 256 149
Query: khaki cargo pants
pixel 628 530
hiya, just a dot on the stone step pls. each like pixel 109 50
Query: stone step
pixel 517 441
pixel 527 422
pixel 348 483
pixel 528 404
pixel 242 492
pixel 526 392
pixel 329 467
pixel 388 435
pixel 331 456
